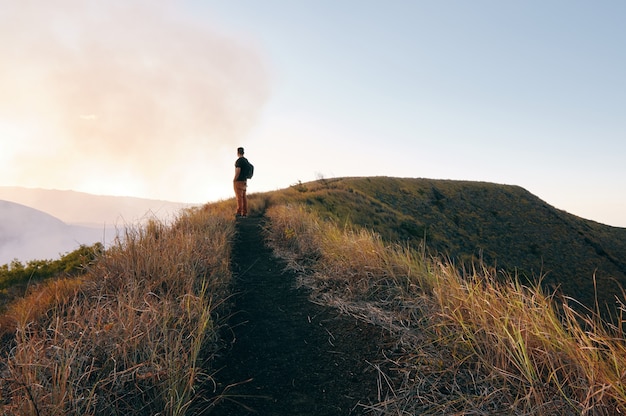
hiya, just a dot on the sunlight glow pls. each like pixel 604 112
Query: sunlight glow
pixel 13 137
pixel 111 183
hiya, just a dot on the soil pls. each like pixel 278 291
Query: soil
pixel 286 355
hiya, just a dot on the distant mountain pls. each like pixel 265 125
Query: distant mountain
pixel 28 234
pixel 94 210
pixel 38 224
pixel 506 226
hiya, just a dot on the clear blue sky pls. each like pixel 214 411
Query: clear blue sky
pixel 528 93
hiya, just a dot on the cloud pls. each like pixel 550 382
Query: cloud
pixel 122 88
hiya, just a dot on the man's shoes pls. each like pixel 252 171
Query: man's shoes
pixel 240 215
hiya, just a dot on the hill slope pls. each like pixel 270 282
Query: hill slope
pixel 505 226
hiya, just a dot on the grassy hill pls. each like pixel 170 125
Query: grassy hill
pixel 471 341
pixel 506 226
pixel 134 328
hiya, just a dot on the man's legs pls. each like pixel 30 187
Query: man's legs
pixel 242 198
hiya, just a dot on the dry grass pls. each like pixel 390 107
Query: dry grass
pixel 128 337
pixel 38 301
pixel 471 342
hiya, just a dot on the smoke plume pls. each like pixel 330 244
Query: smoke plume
pixel 126 92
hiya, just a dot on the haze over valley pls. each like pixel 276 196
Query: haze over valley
pixel 43 224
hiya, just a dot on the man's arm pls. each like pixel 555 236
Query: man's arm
pixel 237 172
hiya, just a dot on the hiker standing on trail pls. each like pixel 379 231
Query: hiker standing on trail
pixel 240 183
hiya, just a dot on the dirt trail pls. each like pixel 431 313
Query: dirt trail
pixel 287 355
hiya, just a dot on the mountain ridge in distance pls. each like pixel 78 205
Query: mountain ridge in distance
pixel 29 234
pixel 42 224
pixel 81 208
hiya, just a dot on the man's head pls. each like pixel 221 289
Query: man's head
pixel 240 151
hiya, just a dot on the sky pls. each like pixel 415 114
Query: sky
pixel 152 98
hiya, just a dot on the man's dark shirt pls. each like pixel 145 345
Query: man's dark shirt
pixel 242 163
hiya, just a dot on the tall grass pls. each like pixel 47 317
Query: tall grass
pixel 470 342
pixel 130 336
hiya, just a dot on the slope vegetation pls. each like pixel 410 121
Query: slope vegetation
pixel 131 330
pixel 140 330
pixel 504 226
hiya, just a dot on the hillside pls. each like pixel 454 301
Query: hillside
pixel 218 326
pixel 506 226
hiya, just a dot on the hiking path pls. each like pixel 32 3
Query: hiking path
pixel 284 354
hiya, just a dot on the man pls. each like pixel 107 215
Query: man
pixel 240 184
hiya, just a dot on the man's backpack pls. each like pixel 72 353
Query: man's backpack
pixel 249 171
